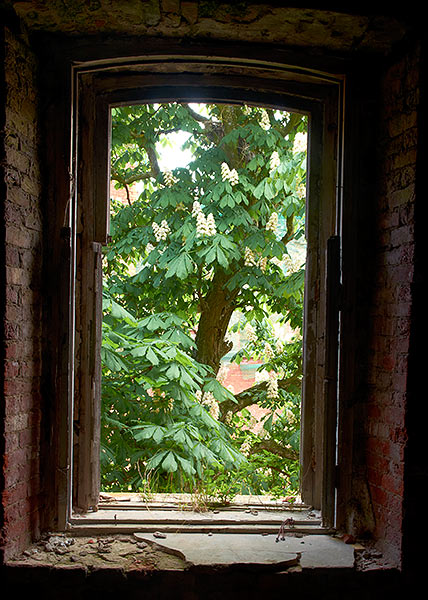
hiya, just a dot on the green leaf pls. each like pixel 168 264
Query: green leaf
pixel 173 372
pixel 259 189
pixel 180 266
pixel 221 257
pixel 267 425
pixel 186 464
pixel 145 432
pixel 112 360
pixel 268 190
pixel 151 356
pixel 155 461
pixel 169 463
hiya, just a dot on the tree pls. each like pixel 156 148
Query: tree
pixel 200 244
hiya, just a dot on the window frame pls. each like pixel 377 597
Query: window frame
pixel 98 87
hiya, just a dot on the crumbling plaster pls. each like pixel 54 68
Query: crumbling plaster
pixel 340 30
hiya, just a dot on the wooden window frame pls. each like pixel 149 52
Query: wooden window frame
pixel 98 87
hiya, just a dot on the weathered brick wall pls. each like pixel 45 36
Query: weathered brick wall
pixel 21 247
pixel 391 307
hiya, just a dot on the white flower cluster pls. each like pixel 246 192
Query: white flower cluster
pixel 301 191
pixel 292 264
pixel 222 374
pixel 249 258
pixel 274 160
pixel 246 447
pixel 161 231
pixel 279 347
pixel 290 416
pixel 272 224
pixel 263 263
pixel 228 418
pixel 264 121
pixel 268 351
pixel 229 175
pixel 149 248
pixel 272 388
pixel 196 208
pixel 169 179
pixel 207 399
pixel 250 332
pixel 204 225
pixel 300 142
pixel 261 376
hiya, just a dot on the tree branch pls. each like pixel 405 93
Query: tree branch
pixel 115 176
pixel 284 130
pixel 249 396
pixel 275 448
pixel 195 115
pixel 289 234
pixel 213 130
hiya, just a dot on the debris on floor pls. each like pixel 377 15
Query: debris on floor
pixel 114 551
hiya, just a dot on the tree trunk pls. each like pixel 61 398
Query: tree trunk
pixel 216 310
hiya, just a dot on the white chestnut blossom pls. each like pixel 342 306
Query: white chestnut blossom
pixel 228 417
pixel 272 388
pixel 222 374
pixel 300 142
pixel 246 447
pixel 301 191
pixel 229 175
pixel 264 121
pixel 196 208
pixel 268 351
pixel 263 263
pixel 276 261
pixel 149 248
pixel 207 399
pixel 249 258
pixel 204 225
pixel 214 410
pixel 233 177
pixel 250 332
pixel 211 226
pixel 169 179
pixel 161 231
pixel 274 160
pixel 272 224
pixel 279 347
pixel 225 171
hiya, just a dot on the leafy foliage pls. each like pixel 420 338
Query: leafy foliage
pixel 201 243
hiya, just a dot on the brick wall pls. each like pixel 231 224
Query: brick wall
pixel 391 307
pixel 21 320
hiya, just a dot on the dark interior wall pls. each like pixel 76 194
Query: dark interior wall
pixel 21 294
pixel 377 446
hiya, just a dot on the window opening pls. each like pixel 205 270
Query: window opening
pixel 203 302
pixel 98 96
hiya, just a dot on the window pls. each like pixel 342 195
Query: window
pixel 316 95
